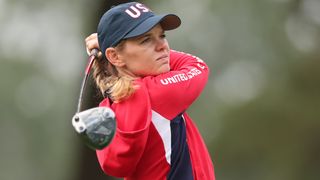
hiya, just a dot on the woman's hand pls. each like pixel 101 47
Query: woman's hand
pixel 92 43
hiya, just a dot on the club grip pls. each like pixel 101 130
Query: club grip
pixel 94 52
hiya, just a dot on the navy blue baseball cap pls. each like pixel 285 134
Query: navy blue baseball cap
pixel 130 20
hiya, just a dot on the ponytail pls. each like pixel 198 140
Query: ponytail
pixel 111 85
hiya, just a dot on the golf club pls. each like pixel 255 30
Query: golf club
pixel 96 126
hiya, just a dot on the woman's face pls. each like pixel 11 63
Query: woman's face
pixel 147 54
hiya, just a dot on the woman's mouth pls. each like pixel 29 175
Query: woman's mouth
pixel 162 57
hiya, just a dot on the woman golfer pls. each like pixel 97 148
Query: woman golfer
pixel 149 87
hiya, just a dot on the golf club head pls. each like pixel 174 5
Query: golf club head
pixel 96 126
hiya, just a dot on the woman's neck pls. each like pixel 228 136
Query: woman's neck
pixel 127 73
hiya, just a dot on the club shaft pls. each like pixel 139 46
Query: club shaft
pixel 92 57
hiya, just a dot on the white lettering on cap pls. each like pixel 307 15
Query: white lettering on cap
pixel 135 11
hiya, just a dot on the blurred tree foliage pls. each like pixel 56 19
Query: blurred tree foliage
pixel 275 136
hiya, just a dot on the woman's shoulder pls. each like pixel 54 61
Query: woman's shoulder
pixel 181 54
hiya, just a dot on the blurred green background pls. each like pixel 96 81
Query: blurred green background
pixel 259 113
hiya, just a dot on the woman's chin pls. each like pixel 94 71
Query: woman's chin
pixel 164 69
pixel 160 70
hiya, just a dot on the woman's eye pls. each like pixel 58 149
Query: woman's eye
pixel 145 40
pixel 163 36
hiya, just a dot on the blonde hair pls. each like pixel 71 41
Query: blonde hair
pixel 111 84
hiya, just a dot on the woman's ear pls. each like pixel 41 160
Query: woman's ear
pixel 113 57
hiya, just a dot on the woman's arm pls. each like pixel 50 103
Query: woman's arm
pixel 175 91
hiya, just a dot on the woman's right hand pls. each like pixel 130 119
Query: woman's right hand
pixel 92 43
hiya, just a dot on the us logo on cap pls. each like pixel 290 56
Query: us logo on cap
pixel 136 10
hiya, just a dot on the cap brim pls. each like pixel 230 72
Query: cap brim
pixel 167 21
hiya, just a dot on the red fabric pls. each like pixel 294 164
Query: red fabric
pixel 137 151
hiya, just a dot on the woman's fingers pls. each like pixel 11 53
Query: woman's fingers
pixel 92 43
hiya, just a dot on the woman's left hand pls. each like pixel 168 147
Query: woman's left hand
pixel 92 43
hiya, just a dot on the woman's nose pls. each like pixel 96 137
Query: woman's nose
pixel 161 44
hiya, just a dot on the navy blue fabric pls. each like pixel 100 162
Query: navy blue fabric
pixel 181 168
pixel 130 20
pixel 116 23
